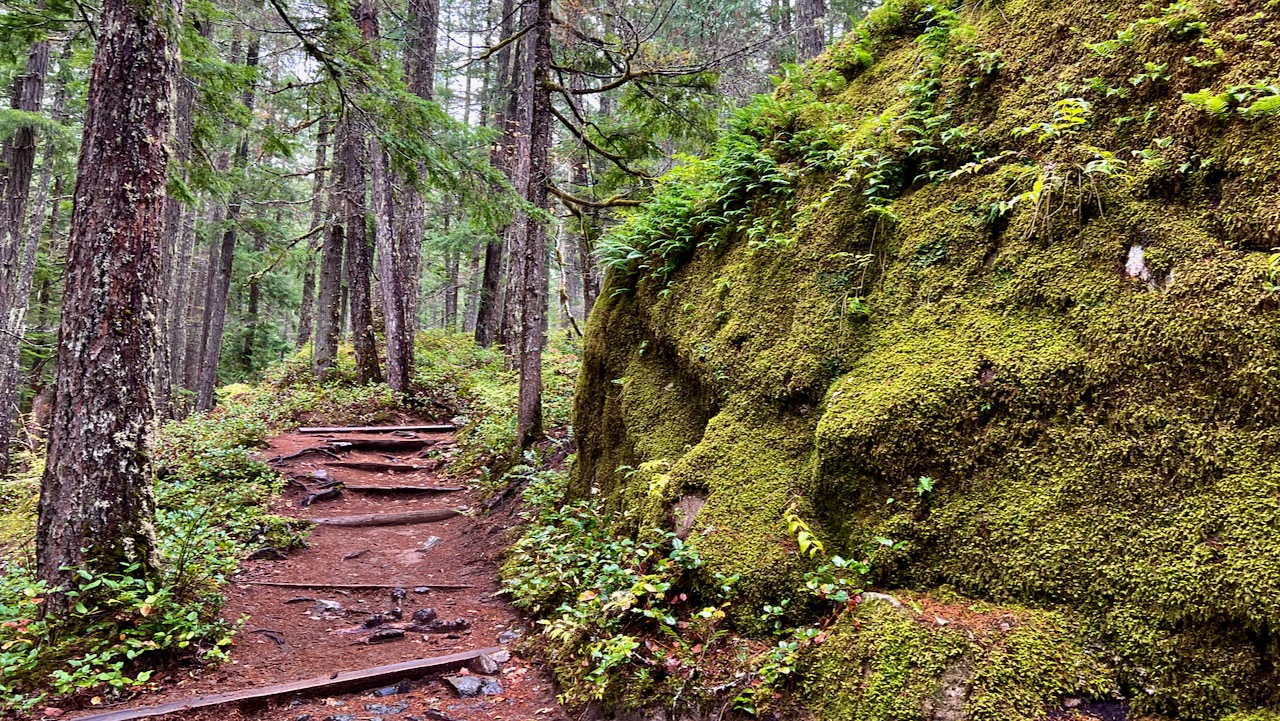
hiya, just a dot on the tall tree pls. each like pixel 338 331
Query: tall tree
pixel 96 500
pixel 220 274
pixel 16 166
pixel 306 317
pixel 534 286
pixel 489 312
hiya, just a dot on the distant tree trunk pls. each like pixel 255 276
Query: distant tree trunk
pixel 220 275
pixel 306 318
pixel 16 165
pixel 180 303
pixel 411 215
pixel 358 260
pixel 473 291
pixel 810 34
pixel 453 283
pixel 329 293
pixel 252 321
pixel 489 312
pixel 198 312
pixel 96 499
pixel 529 414
pixel 389 270
pixel 173 263
pixel 519 123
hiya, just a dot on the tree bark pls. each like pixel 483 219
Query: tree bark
pixel 220 285
pixel 306 318
pixel 810 34
pixel 96 501
pixel 451 262
pixel 533 309
pixel 173 261
pixel 358 260
pixel 389 271
pixel 16 166
pixel 489 312
pixel 471 307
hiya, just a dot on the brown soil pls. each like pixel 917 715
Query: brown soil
pixel 306 643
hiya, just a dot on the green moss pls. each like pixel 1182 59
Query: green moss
pixel 1103 446
pixel 894 664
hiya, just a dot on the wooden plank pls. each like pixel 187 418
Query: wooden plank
pixel 356 586
pixel 387 519
pixel 345 681
pixel 401 489
pixel 380 429
pixel 375 467
pixel 383 444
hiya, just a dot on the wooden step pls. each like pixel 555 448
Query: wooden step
pixel 388 519
pixel 342 682
pixel 380 429
pixel 401 490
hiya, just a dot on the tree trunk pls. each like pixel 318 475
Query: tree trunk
pixel 529 414
pixel 220 284
pixel 810 34
pixel 358 261
pixel 96 500
pixel 306 318
pixel 173 261
pixel 519 124
pixel 412 215
pixel 16 166
pixel 489 312
pixel 389 271
pixel 329 293
pixel 252 320
pixel 469 311
pixel 451 262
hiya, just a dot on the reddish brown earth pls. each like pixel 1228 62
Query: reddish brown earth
pixel 306 643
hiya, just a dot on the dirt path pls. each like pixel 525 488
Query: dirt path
pixel 296 633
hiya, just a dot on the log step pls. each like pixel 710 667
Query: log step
pixel 345 681
pixel 406 490
pixel 381 429
pixel 356 586
pixel 375 467
pixel 387 519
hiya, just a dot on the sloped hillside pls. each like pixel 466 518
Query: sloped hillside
pixel 993 283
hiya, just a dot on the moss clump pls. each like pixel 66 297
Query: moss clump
pixel 888 662
pixel 1000 248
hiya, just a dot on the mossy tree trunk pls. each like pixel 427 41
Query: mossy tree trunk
pixel 96 501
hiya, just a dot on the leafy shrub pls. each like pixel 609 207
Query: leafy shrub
pixel 597 593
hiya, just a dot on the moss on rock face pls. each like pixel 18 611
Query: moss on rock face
pixel 949 662
pixel 1000 249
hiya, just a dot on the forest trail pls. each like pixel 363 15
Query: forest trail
pixel 292 633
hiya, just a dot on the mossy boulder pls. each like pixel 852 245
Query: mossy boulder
pixel 1022 249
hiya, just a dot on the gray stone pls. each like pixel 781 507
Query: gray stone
pixel 508 636
pixel 501 656
pixel 387 709
pixel 465 686
pixel 391 690
pixel 491 687
pixel 324 606
pixel 341 717
pixel 485 664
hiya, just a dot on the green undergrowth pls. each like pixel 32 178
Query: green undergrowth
pixel 1023 250
pixel 213 507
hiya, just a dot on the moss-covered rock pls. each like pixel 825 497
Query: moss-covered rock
pixel 1020 248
